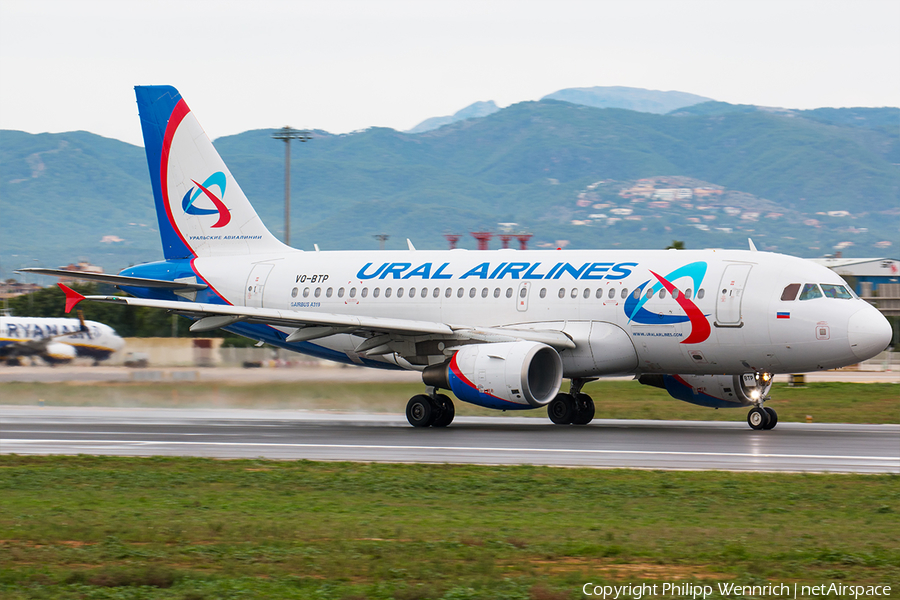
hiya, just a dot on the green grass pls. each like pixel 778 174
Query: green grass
pixel 823 402
pixel 191 528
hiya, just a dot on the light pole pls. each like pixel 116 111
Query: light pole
pixel 287 134
pixel 382 238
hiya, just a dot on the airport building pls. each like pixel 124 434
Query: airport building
pixel 876 280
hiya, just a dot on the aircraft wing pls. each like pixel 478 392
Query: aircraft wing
pixel 119 280
pixel 313 325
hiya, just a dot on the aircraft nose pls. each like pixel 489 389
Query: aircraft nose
pixel 868 332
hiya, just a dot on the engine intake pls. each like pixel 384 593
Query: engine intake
pixel 504 375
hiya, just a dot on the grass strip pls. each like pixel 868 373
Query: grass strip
pixel 192 528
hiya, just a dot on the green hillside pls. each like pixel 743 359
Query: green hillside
pixel 533 163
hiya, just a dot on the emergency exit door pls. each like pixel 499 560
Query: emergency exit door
pixel 522 296
pixel 256 285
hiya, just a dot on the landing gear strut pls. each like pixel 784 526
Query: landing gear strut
pixel 762 417
pixel 430 410
pixel 573 408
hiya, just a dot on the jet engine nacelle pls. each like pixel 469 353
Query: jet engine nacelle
pixel 58 352
pixel 717 391
pixel 504 375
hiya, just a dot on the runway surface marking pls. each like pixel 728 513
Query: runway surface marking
pixel 459 448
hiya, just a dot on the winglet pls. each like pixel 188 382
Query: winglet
pixel 752 245
pixel 72 297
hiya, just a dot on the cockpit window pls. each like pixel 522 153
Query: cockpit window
pixel 810 291
pixel 835 291
pixel 790 292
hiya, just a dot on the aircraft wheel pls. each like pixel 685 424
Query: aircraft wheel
pixel 446 413
pixel 773 418
pixel 562 409
pixel 420 412
pixel 585 409
pixel 757 418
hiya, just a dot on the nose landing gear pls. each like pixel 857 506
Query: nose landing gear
pixel 761 417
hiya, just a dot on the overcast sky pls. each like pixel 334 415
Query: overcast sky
pixel 343 65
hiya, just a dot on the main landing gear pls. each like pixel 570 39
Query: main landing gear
pixel 430 410
pixel 573 408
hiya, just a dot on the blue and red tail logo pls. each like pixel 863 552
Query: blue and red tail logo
pixel 216 179
pixel 634 305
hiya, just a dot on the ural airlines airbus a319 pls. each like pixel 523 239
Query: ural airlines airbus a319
pixel 499 329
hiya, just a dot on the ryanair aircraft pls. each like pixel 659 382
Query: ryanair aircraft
pixel 55 341
pixel 499 329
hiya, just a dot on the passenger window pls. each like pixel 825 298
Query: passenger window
pixel 318 292
pixel 448 292
pixel 599 293
pixel 810 291
pixel 484 292
pixel 637 293
pixel 562 292
pixel 306 292
pixel 675 294
pixel 496 292
pixel 472 292
pixel 412 292
pixel 522 293
pixel 612 293
pixel 340 292
pixel 437 292
pixel 328 292
pixel 662 294
pixel 700 293
pixel 624 293
pixel 376 292
pixel 687 293
pixel 294 292
pixel 353 292
pixel 365 292
pixel 399 292
pixel 459 293
pixel 835 291
pixel 574 292
pixel 387 292
pixel 649 293
pixel 543 292
pixel 790 292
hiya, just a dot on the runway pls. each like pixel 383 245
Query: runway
pixel 231 433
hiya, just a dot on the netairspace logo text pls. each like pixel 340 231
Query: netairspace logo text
pixel 696 591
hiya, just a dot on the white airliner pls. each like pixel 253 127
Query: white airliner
pixel 499 329
pixel 55 340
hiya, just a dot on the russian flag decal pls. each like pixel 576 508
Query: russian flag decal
pixel 783 315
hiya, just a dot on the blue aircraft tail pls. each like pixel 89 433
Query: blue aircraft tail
pixel 201 209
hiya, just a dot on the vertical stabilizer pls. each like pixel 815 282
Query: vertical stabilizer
pixel 200 207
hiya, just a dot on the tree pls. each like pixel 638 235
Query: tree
pixel 675 245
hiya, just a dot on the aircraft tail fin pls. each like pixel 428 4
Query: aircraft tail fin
pixel 201 209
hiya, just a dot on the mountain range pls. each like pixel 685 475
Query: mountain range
pixel 709 174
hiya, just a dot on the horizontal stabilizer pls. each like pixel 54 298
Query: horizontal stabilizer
pixel 118 280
